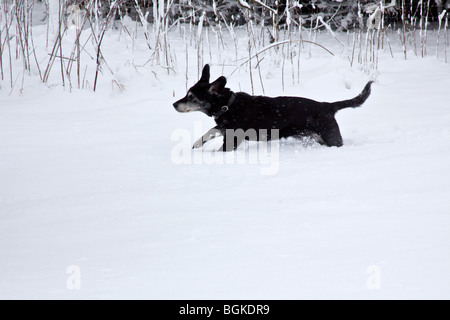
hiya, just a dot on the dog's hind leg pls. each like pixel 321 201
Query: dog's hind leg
pixel 211 134
pixel 330 133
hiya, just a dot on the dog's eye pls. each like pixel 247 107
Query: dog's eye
pixel 190 96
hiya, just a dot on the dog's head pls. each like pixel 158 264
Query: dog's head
pixel 204 96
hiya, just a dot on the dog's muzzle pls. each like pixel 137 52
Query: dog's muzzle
pixel 175 105
pixel 183 107
pixel 180 106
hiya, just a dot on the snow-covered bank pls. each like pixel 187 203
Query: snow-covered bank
pixel 93 206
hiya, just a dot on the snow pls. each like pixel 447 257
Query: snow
pixel 90 190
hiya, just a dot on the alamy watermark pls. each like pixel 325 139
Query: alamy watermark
pixel 73 281
pixel 266 153
pixel 374 280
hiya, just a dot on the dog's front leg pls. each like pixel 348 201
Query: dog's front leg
pixel 211 134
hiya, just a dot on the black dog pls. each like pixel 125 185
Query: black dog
pixel 241 112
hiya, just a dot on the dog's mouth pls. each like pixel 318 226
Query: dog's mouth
pixel 184 108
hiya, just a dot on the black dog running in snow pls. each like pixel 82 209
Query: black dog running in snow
pixel 237 113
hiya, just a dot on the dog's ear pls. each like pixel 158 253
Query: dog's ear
pixel 205 74
pixel 218 85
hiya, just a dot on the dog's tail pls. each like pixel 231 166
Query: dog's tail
pixel 355 102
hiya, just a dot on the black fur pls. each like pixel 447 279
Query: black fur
pixel 292 116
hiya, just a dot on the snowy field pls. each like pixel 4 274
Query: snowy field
pixel 98 202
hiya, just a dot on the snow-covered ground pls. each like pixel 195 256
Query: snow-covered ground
pixel 95 202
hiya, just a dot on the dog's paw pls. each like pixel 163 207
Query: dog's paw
pixel 198 144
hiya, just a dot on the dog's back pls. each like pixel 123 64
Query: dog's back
pixel 261 112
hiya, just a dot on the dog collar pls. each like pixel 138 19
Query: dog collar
pixel 226 107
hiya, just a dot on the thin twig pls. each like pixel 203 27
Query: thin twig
pixel 112 10
pixel 276 45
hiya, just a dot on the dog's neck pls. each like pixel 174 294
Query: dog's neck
pixel 224 108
